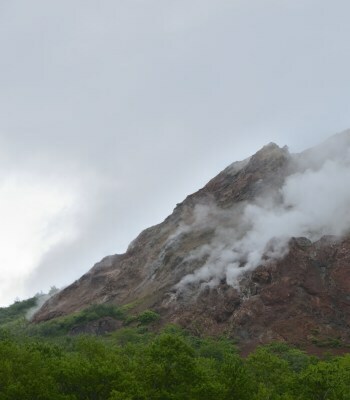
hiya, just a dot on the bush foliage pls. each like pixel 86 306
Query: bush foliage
pixel 172 365
pixel 135 363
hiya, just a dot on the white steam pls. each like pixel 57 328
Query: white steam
pixel 311 203
pixel 41 299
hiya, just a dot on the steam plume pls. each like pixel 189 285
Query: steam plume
pixel 313 201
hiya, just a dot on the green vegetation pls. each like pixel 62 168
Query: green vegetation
pixel 135 363
pixel 144 318
pixel 328 342
pixel 17 310
pixel 147 317
pixel 13 319
pixel 63 325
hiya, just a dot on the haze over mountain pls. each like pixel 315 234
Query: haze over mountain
pixel 261 252
pixel 112 111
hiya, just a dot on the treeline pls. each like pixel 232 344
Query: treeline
pixel 46 362
pixel 134 364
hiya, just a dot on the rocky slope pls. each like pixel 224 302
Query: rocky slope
pixel 301 295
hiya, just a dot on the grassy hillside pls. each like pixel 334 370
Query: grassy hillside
pixel 17 310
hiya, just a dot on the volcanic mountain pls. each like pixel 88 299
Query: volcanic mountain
pixel 260 253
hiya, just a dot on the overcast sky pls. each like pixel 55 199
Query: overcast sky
pixel 112 111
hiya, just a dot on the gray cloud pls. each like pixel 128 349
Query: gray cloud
pixel 135 104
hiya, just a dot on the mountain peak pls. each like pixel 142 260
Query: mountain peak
pixel 226 257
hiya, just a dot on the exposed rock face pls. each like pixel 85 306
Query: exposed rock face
pixel 303 297
pixel 98 327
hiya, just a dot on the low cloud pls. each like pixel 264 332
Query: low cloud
pixel 35 216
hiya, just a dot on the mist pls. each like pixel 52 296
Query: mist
pixel 123 108
pixel 313 202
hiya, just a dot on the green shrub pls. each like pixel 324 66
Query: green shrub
pixel 147 317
